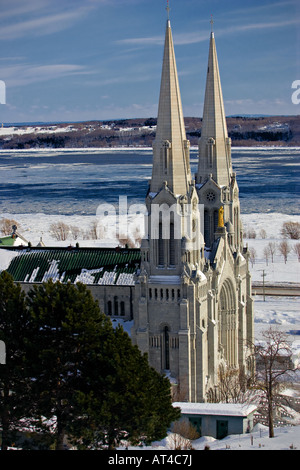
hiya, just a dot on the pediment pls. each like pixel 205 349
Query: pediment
pixel 209 184
pixel 164 196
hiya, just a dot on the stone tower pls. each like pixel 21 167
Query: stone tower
pixel 216 182
pixel 218 192
pixel 192 308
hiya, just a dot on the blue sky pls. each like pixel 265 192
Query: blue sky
pixel 75 60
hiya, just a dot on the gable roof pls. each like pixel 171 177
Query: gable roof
pixel 219 409
pixel 15 239
pixel 104 266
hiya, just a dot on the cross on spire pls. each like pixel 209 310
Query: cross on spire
pixel 168 9
pixel 211 22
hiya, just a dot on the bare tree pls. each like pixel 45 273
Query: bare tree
pixel 251 233
pixel 60 231
pixel 273 366
pixel 125 241
pixel 272 249
pixel 6 226
pixel 284 249
pixel 263 233
pixel 183 433
pixel 137 236
pixel 76 232
pixel 94 231
pixel 252 252
pixel 291 230
pixel 296 249
pixel 234 385
pixel 267 254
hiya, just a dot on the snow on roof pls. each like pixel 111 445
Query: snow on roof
pixel 6 256
pixel 86 265
pixel 220 409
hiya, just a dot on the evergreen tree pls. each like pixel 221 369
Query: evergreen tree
pixel 67 329
pixel 14 385
pixel 125 399
pixel 69 365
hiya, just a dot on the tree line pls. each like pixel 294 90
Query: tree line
pixel 71 377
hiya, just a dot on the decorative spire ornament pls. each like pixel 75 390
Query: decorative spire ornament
pixel 211 22
pixel 168 9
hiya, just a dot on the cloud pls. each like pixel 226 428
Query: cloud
pixel 16 8
pixel 42 25
pixel 42 17
pixel 21 75
pixel 181 39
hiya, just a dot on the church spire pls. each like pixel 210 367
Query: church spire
pixel 170 148
pixel 214 145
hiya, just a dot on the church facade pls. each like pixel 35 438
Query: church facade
pixel 187 289
pixel 193 309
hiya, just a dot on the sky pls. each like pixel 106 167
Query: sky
pixel 81 60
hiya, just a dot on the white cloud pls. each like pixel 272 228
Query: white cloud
pixel 42 17
pixel 181 39
pixel 21 75
pixel 42 25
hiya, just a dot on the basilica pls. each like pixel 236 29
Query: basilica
pixel 193 310
pixel 187 290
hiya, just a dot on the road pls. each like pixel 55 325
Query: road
pixel 288 290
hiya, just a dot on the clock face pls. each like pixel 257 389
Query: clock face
pixel 210 196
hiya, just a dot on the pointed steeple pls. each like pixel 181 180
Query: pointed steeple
pixel 214 145
pixel 170 148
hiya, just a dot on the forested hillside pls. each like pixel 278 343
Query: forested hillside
pixel 140 132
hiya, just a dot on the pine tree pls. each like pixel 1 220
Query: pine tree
pixel 67 323
pixel 14 330
pixel 69 365
pixel 127 399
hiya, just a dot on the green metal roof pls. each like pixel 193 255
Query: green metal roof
pixel 87 265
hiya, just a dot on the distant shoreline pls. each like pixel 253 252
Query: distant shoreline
pixel 128 149
pixel 244 131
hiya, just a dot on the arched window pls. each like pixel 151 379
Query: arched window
pixel 172 245
pixel 167 348
pixel 122 307
pixel 160 246
pixel 228 334
pixel 109 307
pixel 116 306
pixel 206 228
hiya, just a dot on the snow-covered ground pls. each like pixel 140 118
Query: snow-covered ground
pixel 277 272
pixel 36 226
pixel 18 130
pixel 275 310
pixel 286 438
pixel 280 312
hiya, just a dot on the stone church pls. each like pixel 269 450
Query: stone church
pixel 193 306
pixel 187 290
